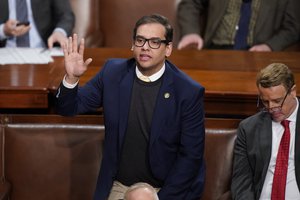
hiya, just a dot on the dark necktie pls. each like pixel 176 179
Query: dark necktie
pixel 240 41
pixel 22 16
pixel 280 174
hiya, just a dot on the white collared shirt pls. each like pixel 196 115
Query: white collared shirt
pixel 292 190
pixel 153 77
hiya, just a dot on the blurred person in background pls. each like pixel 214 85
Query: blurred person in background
pixel 35 23
pixel 254 25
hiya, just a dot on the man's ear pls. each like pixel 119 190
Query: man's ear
pixel 294 90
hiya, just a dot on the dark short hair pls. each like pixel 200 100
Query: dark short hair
pixel 155 18
pixel 275 74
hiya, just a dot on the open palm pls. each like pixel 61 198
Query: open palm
pixel 74 64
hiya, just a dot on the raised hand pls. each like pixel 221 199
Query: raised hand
pixel 74 64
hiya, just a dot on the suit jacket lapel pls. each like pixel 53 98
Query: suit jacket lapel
pixel 4 11
pixel 263 12
pixel 33 7
pixel 163 101
pixel 125 91
pixel 265 146
pixel 217 13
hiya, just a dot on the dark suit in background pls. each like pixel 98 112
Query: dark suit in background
pixel 277 22
pixel 48 15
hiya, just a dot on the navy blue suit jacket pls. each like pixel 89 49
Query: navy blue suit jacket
pixel 176 143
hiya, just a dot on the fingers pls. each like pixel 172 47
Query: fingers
pixel 81 47
pixel 200 45
pixel 184 42
pixel 88 61
pixel 75 43
pixel 260 47
pixel 9 27
pixel 180 46
pixel 62 41
pixel 252 49
pixel 65 48
pixel 20 30
pixel 56 36
pixel 70 45
pixel 50 42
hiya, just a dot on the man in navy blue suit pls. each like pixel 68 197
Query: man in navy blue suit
pixel 154 115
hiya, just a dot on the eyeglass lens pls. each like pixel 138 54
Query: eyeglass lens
pixel 273 109
pixel 153 43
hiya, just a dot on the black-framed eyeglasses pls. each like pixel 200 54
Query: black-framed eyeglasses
pixel 265 108
pixel 154 43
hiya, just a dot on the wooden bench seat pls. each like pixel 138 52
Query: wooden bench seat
pixel 53 157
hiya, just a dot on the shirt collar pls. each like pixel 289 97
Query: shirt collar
pixel 293 116
pixel 153 77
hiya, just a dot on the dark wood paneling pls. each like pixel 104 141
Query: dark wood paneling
pixel 228 77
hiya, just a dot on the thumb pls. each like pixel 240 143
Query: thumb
pixel 180 45
pixel 50 42
pixel 88 61
pixel 199 46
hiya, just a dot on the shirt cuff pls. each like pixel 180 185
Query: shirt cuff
pixel 61 31
pixel 68 85
pixel 2 34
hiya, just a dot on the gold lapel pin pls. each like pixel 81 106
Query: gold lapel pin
pixel 167 95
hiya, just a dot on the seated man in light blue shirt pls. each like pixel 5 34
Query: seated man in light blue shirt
pixel 50 21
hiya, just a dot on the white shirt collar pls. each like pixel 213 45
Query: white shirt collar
pixel 153 77
pixel 293 116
